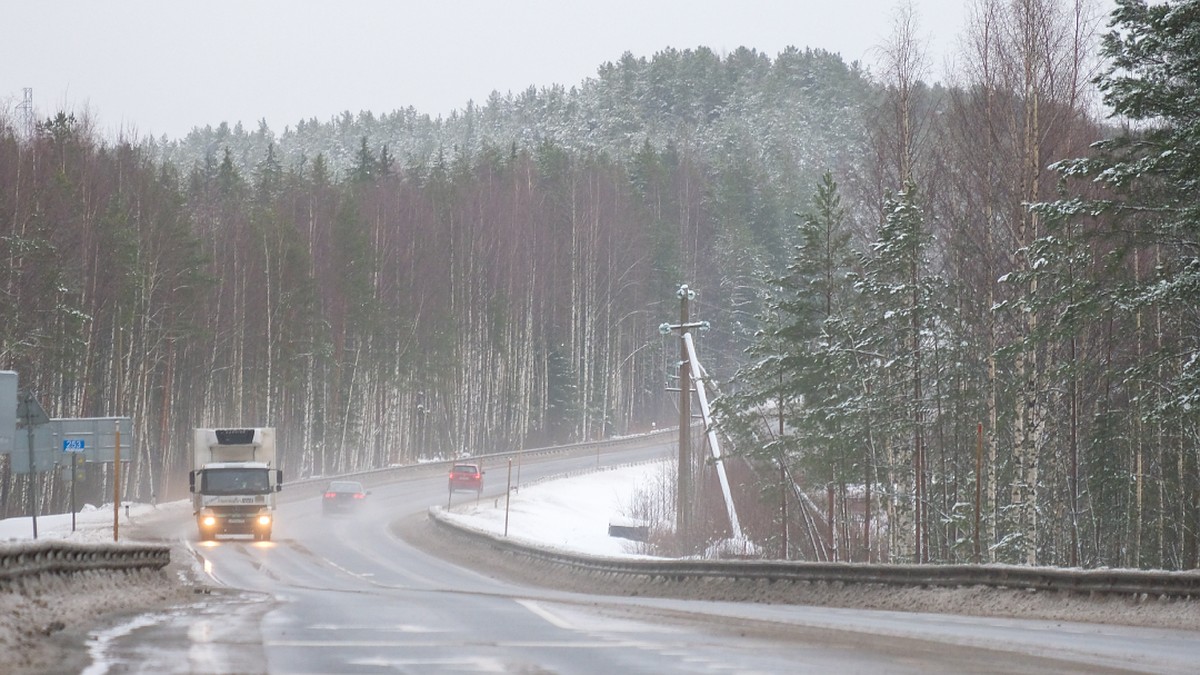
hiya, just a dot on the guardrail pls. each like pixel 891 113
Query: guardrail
pixel 28 559
pixel 753 572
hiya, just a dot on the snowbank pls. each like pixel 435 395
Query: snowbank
pixel 569 513
pixel 43 618
pixel 92 523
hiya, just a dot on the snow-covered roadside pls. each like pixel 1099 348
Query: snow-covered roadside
pixel 41 617
pixel 573 514
pixel 92 523
pixel 570 513
pixel 44 619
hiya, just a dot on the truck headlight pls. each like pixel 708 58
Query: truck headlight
pixel 264 520
pixel 208 521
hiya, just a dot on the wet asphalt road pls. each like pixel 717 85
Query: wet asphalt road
pixel 346 595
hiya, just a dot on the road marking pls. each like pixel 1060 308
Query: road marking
pixel 550 617
pixel 400 628
pixel 439 644
pixel 465 664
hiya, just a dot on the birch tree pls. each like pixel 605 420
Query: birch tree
pixel 1147 213
pixel 1025 101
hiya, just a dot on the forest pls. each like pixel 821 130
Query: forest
pixel 964 314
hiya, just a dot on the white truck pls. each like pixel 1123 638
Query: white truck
pixel 233 481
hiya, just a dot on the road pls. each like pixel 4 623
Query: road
pixel 349 595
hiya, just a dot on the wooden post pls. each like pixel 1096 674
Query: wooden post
pixel 684 478
pixel 978 489
pixel 507 496
pixel 867 486
pixel 783 493
pixel 117 482
pixel 783 481
pixel 32 474
pixel 832 531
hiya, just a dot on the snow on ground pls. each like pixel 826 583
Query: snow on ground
pixel 43 619
pixel 38 615
pixel 92 523
pixel 574 513
pixel 570 513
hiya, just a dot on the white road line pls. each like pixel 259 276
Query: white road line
pixel 440 644
pixel 550 617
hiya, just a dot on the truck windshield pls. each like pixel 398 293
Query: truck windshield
pixel 235 482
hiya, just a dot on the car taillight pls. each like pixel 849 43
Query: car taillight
pixel 359 495
pixel 330 495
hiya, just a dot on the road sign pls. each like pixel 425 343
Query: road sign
pixel 8 410
pixel 73 444
pixel 29 412
pixel 98 435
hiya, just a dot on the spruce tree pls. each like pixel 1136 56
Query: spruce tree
pixel 1137 194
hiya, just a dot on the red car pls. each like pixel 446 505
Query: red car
pixel 466 477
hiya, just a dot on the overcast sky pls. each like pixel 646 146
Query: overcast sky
pixel 152 67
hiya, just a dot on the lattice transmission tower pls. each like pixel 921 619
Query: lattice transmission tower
pixel 26 111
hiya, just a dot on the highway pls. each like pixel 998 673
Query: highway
pixel 348 594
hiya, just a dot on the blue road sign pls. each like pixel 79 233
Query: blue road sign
pixel 96 438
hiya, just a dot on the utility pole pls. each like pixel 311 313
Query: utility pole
pixel 683 496
pixel 683 489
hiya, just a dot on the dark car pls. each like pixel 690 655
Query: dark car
pixel 466 477
pixel 343 496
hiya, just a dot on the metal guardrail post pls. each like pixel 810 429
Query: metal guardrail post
pixel 1055 580
pixel 63 557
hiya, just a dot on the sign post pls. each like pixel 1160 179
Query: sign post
pixel 32 480
pixel 117 482
pixel 30 412
pixel 74 448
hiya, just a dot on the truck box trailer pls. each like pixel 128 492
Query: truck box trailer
pixel 233 481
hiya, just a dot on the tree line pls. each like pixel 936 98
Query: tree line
pixel 967 310
pixel 1004 361
pixel 471 306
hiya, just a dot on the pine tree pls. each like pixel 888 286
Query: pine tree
pixel 787 393
pixel 1149 226
pixel 900 300
pixel 366 166
pixel 386 163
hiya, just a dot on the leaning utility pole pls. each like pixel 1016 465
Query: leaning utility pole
pixel 683 483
